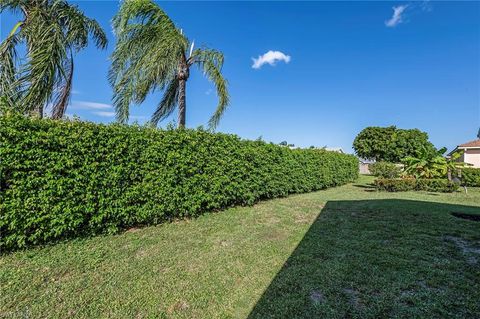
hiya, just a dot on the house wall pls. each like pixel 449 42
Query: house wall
pixel 363 168
pixel 472 156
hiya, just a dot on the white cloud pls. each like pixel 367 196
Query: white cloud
pixel 104 113
pixel 208 92
pixel 396 17
pixel 86 105
pixel 271 57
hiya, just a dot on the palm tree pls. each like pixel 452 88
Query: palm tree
pixel 52 31
pixel 152 54
pixel 430 164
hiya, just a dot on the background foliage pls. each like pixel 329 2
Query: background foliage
pixel 385 170
pixel 471 177
pixel 413 184
pixel 391 144
pixel 65 179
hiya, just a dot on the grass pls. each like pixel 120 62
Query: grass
pixel 343 252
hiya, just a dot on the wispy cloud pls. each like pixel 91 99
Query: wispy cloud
pixel 104 113
pixel 86 105
pixel 271 57
pixel 75 92
pixel 208 92
pixel 397 17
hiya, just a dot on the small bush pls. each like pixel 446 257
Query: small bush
pixel 384 170
pixel 412 184
pixel 436 185
pixel 471 177
pixel 67 179
pixel 395 184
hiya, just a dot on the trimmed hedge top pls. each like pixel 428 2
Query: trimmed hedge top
pixel 68 179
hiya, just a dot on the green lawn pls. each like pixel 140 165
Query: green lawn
pixel 343 252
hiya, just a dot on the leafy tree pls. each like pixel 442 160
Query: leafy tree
pixel 153 54
pixel 52 32
pixel 391 144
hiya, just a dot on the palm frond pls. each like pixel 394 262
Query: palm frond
pixel 8 69
pixel 146 54
pixel 211 63
pixel 123 94
pixel 50 30
pixel 168 103
pixel 78 27
pixel 140 11
pixel 46 54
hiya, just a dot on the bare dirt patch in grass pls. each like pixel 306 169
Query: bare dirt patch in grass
pixel 468 249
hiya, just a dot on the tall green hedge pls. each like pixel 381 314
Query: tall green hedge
pixel 68 179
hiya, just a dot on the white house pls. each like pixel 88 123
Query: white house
pixel 471 153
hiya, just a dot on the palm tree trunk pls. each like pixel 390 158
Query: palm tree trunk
pixel 181 103
pixel 60 107
pixel 39 111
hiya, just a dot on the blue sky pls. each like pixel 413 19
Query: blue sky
pixel 350 65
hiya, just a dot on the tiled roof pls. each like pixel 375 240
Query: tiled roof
pixel 475 143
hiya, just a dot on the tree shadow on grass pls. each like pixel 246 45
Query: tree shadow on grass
pixel 380 258
pixel 366 187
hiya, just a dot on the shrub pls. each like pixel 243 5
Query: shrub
pixel 471 177
pixel 395 184
pixel 384 170
pixel 436 185
pixel 68 179
pixel 410 184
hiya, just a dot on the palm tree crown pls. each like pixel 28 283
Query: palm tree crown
pixel 52 31
pixel 152 54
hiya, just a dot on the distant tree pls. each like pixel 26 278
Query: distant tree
pixel 478 134
pixel 391 144
pixel 284 143
pixel 312 147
